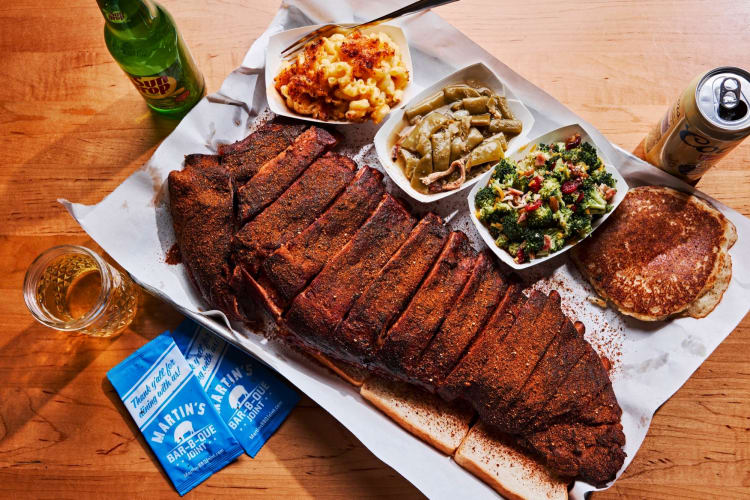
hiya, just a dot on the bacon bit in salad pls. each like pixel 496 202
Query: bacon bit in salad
pixel 533 206
pixel 519 256
pixel 580 198
pixel 547 242
pixel 540 160
pixel 553 204
pixel 522 217
pixel 609 193
pixel 535 184
pixel 569 187
pixel 515 191
pixel 573 141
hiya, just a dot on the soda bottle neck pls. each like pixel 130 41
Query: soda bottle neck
pixel 131 17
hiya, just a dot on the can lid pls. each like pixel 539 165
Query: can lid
pixel 723 98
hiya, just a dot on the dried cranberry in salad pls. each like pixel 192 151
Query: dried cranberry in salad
pixel 547 200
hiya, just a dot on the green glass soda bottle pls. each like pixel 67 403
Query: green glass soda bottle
pixel 143 39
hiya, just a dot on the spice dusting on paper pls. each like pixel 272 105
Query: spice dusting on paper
pixel 173 255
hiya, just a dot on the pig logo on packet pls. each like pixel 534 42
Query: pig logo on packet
pixel 251 400
pixel 173 413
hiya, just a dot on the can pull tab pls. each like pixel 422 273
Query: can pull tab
pixel 731 106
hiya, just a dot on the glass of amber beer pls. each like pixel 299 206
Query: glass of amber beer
pixel 73 289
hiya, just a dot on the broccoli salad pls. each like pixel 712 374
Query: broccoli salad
pixel 536 206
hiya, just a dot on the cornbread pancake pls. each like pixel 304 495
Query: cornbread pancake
pixel 662 253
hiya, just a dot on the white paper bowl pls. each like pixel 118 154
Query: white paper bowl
pixel 555 136
pixel 280 41
pixel 387 134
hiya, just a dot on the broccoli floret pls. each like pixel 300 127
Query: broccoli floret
pixel 580 224
pixel 557 239
pixel 562 216
pixel 601 176
pixel 512 229
pixel 521 182
pixel 561 170
pixel 502 241
pixel 494 213
pixel 534 241
pixel 550 187
pixel 541 217
pixel 504 169
pixel 587 154
pixel 513 249
pixel 593 202
pixel 485 198
pixel 542 147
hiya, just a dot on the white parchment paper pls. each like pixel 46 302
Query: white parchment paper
pixel 652 360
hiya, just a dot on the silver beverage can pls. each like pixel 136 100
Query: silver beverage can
pixel 709 119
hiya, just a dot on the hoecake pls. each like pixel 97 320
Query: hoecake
pixel 662 253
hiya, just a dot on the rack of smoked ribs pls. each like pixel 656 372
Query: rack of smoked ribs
pixel 349 272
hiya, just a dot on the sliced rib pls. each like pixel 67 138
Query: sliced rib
pixel 244 158
pixel 513 361
pixel 293 265
pixel 479 298
pixel 546 380
pixel 276 175
pixel 411 332
pixel 317 311
pixel 461 379
pixel 389 293
pixel 201 203
pixel 294 211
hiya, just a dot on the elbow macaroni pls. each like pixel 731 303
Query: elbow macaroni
pixel 345 77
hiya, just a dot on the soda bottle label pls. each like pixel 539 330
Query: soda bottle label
pixel 115 16
pixel 166 89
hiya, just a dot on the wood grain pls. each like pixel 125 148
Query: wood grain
pixel 72 126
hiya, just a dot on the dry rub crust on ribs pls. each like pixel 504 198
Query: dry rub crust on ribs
pixel 244 158
pixel 201 203
pixel 276 175
pixel 390 291
pixel 317 311
pixel 413 330
pixel 344 269
pixel 293 211
pixel 290 268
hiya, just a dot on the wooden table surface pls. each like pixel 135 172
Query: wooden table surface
pixel 72 126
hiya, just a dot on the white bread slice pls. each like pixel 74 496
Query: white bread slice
pixel 498 462
pixel 423 414
pixel 352 374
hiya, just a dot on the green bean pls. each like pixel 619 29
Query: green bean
pixel 474 138
pixel 441 151
pixel 489 150
pixel 424 127
pixel 482 120
pixel 458 92
pixel 502 103
pixel 425 106
pixel 499 137
pixel 458 148
pixel 476 105
pixel 511 127
pixel 409 160
pixel 422 169
pixel 458 105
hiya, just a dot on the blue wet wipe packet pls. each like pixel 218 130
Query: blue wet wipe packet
pixel 174 414
pixel 251 400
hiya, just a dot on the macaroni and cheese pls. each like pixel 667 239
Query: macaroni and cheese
pixel 345 77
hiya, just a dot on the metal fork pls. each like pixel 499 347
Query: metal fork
pixel 331 28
